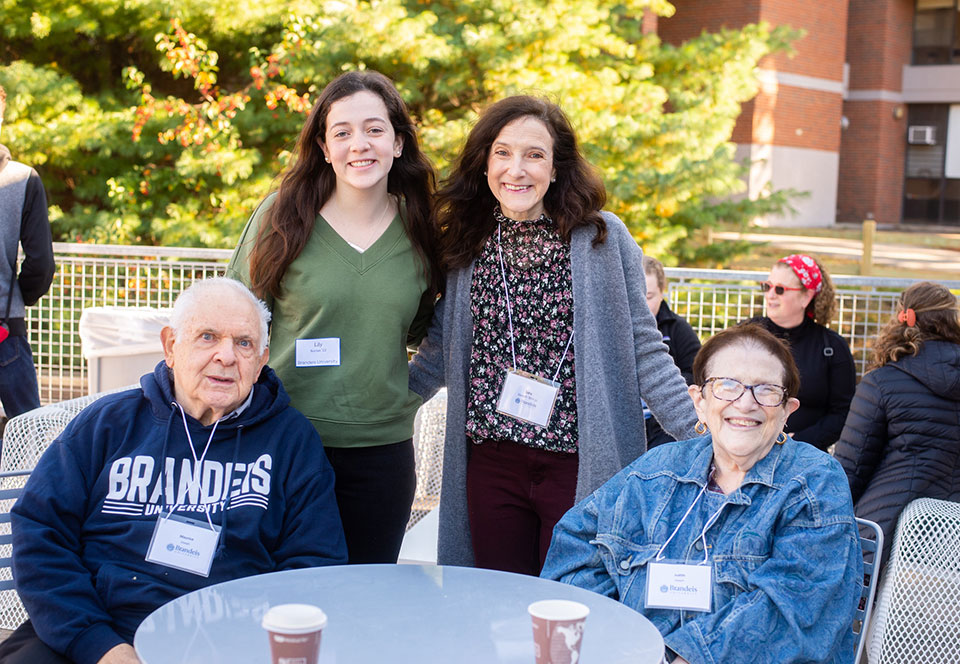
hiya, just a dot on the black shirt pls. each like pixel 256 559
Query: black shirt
pixel 828 379
pixel 683 344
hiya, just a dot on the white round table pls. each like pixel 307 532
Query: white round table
pixel 390 613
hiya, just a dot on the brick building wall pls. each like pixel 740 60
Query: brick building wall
pixel 874 144
pixel 797 114
pixel 780 109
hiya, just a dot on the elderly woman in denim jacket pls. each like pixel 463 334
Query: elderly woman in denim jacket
pixel 741 545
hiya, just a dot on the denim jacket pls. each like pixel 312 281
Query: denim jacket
pixel 787 563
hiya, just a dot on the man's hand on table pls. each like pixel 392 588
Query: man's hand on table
pixel 121 654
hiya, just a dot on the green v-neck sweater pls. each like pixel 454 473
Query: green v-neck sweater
pixel 375 303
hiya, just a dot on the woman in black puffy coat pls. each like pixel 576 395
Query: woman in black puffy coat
pixel 901 439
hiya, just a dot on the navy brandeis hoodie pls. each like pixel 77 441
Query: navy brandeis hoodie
pixel 83 524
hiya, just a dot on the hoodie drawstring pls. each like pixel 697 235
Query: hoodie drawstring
pixel 221 546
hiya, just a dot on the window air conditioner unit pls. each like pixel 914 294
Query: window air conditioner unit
pixel 922 135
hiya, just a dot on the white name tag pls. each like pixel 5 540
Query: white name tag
pixel 318 352
pixel 679 586
pixel 184 543
pixel 527 397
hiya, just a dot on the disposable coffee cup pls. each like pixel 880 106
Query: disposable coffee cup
pixel 558 630
pixel 294 631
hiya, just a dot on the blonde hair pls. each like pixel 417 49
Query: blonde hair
pixel 938 317
pixel 652 266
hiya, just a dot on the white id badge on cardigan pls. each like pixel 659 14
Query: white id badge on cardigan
pixel 528 397
pixel 318 352
pixel 184 543
pixel 679 586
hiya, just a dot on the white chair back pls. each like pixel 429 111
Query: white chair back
pixel 11 610
pixel 429 430
pixel 917 617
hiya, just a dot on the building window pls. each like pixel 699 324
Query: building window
pixel 936 33
pixel 932 185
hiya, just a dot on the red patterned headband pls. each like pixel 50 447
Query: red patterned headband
pixel 806 270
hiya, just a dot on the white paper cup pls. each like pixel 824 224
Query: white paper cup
pixel 558 630
pixel 294 631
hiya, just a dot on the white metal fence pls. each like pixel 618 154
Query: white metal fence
pixel 712 300
pixel 107 275
pixel 89 275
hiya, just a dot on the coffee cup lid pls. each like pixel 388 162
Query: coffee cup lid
pixel 558 609
pixel 294 618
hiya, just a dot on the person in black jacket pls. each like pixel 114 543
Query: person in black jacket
pixel 23 222
pixel 681 340
pixel 901 440
pixel 800 304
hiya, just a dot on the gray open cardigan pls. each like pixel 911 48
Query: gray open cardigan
pixel 619 356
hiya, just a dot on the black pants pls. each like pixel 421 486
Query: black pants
pixel 375 488
pixel 25 647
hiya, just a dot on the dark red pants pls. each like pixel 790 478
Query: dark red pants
pixel 515 496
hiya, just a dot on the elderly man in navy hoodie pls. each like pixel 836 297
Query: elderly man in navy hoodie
pixel 203 474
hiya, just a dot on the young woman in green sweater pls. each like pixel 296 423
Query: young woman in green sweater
pixel 345 255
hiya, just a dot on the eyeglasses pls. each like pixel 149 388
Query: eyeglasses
pixel 731 389
pixel 779 289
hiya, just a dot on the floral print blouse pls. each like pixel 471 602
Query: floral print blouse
pixel 537 265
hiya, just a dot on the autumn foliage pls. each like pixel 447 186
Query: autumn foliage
pixel 151 128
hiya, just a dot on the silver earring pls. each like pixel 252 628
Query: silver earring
pixel 553 179
pixel 484 173
pixel 326 158
pixel 398 153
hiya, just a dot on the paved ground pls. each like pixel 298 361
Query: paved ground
pixel 910 258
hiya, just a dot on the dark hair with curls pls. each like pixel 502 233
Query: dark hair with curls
pixel 465 203
pixel 938 318
pixel 310 181
pixel 752 335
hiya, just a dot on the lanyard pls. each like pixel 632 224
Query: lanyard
pixel 506 294
pixel 703 533
pixel 197 463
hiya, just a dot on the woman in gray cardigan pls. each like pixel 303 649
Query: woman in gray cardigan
pixel 543 339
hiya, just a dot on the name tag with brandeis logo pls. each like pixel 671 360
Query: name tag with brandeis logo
pixel 679 586
pixel 184 543
pixel 528 397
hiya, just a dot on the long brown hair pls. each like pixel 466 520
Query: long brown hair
pixel 465 203
pixel 310 181
pixel 937 317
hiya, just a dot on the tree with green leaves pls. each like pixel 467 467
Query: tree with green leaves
pixel 155 124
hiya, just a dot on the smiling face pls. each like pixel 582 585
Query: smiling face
pixel 520 167
pixel 360 142
pixel 743 431
pixel 786 310
pixel 215 355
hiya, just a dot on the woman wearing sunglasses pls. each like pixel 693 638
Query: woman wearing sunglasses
pixel 740 545
pixel 801 302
